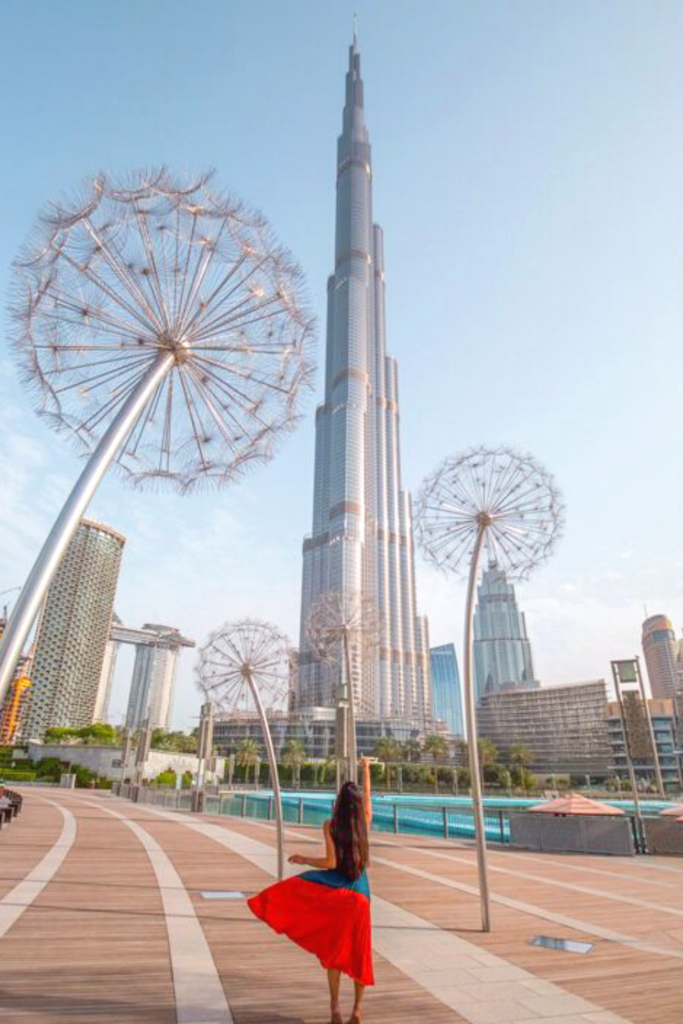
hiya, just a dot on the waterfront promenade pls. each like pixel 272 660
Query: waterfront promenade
pixel 102 918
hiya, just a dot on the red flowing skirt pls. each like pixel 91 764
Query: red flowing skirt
pixel 326 915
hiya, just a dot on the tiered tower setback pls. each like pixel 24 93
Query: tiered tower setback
pixel 362 538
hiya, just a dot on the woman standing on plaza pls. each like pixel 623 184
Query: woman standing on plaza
pixel 327 911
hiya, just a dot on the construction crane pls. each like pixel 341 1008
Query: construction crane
pixel 12 706
pixel 12 709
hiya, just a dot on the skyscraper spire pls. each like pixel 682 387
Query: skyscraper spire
pixel 362 538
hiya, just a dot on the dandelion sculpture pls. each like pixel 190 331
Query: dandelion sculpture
pixel 510 503
pixel 343 628
pixel 160 325
pixel 245 667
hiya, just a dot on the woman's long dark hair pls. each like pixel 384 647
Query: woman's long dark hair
pixel 349 831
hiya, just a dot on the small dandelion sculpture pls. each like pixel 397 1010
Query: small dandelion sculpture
pixel 245 667
pixel 160 325
pixel 344 628
pixel 509 503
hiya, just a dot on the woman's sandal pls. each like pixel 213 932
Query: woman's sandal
pixel 336 1018
pixel 354 1019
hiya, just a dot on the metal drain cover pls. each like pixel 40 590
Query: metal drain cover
pixel 567 945
pixel 223 894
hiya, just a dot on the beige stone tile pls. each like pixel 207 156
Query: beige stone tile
pixel 495 1013
pixel 540 987
pixel 602 1017
pixel 488 991
pixel 508 972
pixel 556 1005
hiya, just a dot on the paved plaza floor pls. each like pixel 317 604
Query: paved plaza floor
pixel 102 918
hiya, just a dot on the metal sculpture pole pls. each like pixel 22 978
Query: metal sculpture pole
pixel 509 503
pixel 242 666
pixel 338 619
pixel 350 712
pixel 272 763
pixel 159 323
pixel 473 748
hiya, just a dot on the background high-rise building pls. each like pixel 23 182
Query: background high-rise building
pixel 73 630
pixel 565 727
pixel 502 651
pixel 362 539
pixel 661 650
pixel 664 725
pixel 446 697
pixel 111 653
pixel 152 688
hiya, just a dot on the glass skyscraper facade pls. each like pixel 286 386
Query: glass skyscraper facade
pixel 502 651
pixel 446 697
pixel 361 543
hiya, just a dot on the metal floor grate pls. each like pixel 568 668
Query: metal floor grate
pixel 567 945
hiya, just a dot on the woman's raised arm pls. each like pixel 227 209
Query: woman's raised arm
pixel 365 763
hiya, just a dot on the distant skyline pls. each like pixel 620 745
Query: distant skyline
pixel 527 162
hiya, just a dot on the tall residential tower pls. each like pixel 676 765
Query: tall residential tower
pixel 73 630
pixel 362 538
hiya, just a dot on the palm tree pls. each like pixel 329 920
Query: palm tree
pixel 248 756
pixel 388 750
pixel 412 750
pixel 488 755
pixel 437 746
pixel 294 756
pixel 521 755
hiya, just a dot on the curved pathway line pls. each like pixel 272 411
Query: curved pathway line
pixel 20 898
pixel 518 855
pixel 480 986
pixel 199 993
pixel 505 901
pixel 543 880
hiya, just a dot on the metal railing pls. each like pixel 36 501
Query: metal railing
pixel 404 817
pixel 436 819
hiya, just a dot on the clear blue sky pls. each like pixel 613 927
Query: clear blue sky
pixel 528 164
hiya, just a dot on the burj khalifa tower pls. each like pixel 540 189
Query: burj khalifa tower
pixel 362 538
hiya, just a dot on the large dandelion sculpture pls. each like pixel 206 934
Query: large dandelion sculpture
pixel 344 629
pixel 161 325
pixel 509 503
pixel 245 667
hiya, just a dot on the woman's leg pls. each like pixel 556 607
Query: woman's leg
pixel 333 979
pixel 358 1001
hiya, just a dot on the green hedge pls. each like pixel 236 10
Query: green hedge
pixel 9 775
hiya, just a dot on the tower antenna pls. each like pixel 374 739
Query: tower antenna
pixel 355 29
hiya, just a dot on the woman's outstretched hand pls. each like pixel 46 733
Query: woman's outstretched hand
pixel 296 858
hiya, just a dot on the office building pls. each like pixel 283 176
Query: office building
pixel 502 651
pixel 314 728
pixel 362 536
pixel 73 630
pixel 565 727
pixel 446 695
pixel 152 689
pixel 664 722
pixel 661 650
